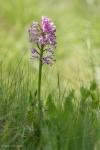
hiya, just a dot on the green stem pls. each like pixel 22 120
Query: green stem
pixel 40 111
pixel 39 83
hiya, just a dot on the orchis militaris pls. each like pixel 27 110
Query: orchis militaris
pixel 43 39
pixel 43 36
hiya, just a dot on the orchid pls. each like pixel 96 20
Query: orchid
pixel 43 36
pixel 43 39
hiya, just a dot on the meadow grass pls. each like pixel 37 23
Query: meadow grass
pixel 69 121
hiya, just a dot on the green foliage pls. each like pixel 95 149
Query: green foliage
pixel 71 122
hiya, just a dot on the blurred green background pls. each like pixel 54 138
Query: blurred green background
pixel 77 63
pixel 78 35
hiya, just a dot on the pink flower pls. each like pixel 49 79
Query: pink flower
pixel 43 35
pixel 48 26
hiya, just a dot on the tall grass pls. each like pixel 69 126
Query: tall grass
pixel 70 121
